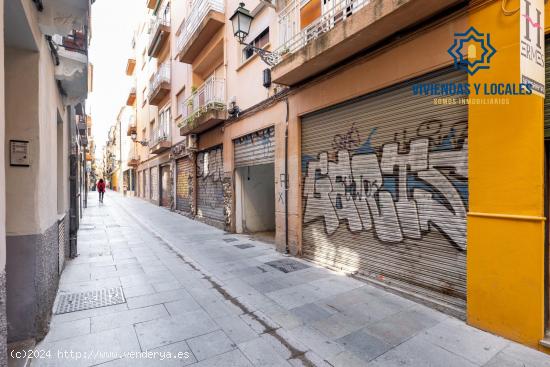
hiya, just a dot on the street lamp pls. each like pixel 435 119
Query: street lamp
pixel 241 20
pixel 133 135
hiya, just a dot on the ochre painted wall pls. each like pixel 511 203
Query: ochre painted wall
pixel 505 260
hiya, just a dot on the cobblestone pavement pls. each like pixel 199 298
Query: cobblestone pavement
pixel 195 295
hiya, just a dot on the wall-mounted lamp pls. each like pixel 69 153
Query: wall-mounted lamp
pixel 241 20
pixel 134 139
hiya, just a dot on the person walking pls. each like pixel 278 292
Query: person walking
pixel 101 189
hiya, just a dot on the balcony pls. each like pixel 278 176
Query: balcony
pixel 205 108
pixel 81 125
pixel 130 66
pixel 159 140
pixel 160 35
pixel 205 19
pixel 133 157
pixel 159 85
pixel 313 39
pixel 72 68
pixel 131 97
pixel 132 126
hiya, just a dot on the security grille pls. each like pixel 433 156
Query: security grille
pixel 385 189
pixel 210 202
pixel 73 302
pixel 256 148
pixel 184 184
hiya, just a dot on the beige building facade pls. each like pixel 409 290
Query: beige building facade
pixel 44 137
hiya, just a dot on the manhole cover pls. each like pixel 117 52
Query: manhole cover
pixel 287 265
pixel 244 246
pixel 230 239
pixel 92 299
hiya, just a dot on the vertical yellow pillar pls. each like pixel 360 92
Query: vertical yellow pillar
pixel 505 261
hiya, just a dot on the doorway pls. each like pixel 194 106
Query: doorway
pixel 255 200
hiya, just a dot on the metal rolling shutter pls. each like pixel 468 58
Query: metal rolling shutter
pixel 385 190
pixel 209 185
pixel 147 193
pixel 184 184
pixel 547 97
pixel 256 148
pixel 155 183
pixel 166 186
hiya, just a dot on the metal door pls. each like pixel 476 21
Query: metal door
pixel 147 183
pixel 184 184
pixel 209 185
pixel 155 183
pixel 385 190
pixel 166 186
pixel 256 148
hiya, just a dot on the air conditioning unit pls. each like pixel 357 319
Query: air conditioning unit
pixel 192 142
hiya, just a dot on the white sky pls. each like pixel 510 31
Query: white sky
pixel 113 24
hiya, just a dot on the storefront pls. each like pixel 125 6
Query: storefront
pixel 210 203
pixel 166 186
pixel 184 184
pixel 254 156
pixel 385 190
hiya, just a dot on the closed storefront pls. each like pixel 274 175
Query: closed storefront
pixel 256 148
pixel 255 182
pixel 184 184
pixel 166 186
pixel 147 186
pixel 140 184
pixel 385 190
pixel 154 183
pixel 209 185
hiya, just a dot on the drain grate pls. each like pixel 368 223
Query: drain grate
pixel 92 299
pixel 287 265
pixel 244 246
pixel 86 227
pixel 230 239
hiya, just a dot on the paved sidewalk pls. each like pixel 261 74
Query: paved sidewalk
pixel 197 291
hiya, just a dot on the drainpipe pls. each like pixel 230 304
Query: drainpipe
pixel 286 177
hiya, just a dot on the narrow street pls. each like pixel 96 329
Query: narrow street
pixel 194 295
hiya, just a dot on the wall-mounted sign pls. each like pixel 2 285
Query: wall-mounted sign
pixel 531 31
pixel 19 153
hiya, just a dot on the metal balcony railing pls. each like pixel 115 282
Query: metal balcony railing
pixel 158 134
pixel 199 10
pixel 161 76
pixel 209 96
pixel 292 38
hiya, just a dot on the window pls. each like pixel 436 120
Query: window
pixel 143 96
pixel 164 123
pixel 180 100
pixel 260 41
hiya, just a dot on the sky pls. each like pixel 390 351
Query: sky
pixel 113 24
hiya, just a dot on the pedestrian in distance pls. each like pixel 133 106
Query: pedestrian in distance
pixel 101 189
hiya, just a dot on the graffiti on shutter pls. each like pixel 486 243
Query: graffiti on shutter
pixel 385 191
pixel 256 148
pixel 209 184
pixel 184 185
pixel 166 186
pixel 147 184
pixel 155 183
